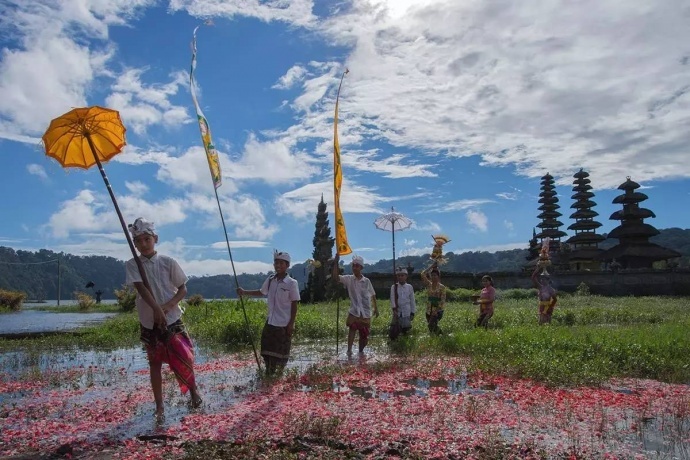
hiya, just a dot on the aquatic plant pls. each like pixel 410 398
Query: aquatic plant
pixel 126 297
pixel 84 301
pixel 11 300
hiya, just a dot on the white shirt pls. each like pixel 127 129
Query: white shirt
pixel 406 302
pixel 360 292
pixel 281 294
pixel 164 275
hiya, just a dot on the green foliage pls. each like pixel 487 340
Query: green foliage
pixel 195 300
pixel 590 340
pixel 126 297
pixel 84 301
pixel 582 289
pixel 519 294
pixel 11 300
pixel 460 294
pixel 319 289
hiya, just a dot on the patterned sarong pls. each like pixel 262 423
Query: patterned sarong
pixel 545 307
pixel 359 324
pixel 174 347
pixel 276 343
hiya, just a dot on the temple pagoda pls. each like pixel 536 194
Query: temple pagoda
pixel 634 249
pixel 549 224
pixel 585 252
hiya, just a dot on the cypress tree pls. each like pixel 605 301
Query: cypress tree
pixel 323 252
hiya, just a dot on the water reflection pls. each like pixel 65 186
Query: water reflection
pixel 30 321
pixel 96 372
pixel 414 387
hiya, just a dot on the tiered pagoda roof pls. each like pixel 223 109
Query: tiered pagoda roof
pixel 549 224
pixel 585 242
pixel 634 249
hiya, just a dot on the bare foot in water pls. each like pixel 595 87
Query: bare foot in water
pixel 196 399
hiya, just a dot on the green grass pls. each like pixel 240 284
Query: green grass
pixel 591 338
pixel 96 308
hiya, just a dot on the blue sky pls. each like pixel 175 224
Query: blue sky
pixel 451 113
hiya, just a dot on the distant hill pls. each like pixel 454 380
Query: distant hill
pixel 36 272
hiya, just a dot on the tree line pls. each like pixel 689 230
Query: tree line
pixel 36 273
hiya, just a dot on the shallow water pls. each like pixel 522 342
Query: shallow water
pixel 30 321
pixel 96 373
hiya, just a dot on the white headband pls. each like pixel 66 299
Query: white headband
pixel 281 256
pixel 142 226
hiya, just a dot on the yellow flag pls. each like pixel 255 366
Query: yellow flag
pixel 211 153
pixel 342 246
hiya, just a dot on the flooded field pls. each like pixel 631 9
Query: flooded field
pixel 91 400
pixel 30 321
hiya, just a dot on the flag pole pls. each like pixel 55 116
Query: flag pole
pixel 341 244
pixel 214 169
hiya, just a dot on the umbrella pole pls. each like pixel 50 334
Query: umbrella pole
pixel 142 272
pixel 394 248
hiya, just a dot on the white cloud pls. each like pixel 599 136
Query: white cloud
pixel 431 227
pixel 189 170
pixel 272 162
pixel 142 105
pixel 137 188
pixel 393 166
pixel 457 205
pixel 301 202
pixel 91 212
pixel 209 267
pixel 507 196
pixel 65 41
pixel 541 89
pixel 239 244
pixel 296 12
pixel 410 242
pixel 246 214
pixel 509 225
pixel 85 213
pixel 37 170
pixel 477 219
pixel 176 248
pixel 294 75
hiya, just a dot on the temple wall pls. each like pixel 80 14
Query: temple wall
pixel 639 282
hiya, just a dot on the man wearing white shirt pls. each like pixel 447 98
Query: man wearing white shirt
pixel 402 303
pixel 283 294
pixel 362 299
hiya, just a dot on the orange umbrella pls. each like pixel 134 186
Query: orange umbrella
pixel 86 136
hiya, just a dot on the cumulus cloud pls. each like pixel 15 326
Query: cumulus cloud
pixel 239 244
pixel 136 188
pixel 395 166
pixel 143 105
pixel 540 89
pixel 65 40
pixel 285 164
pixel 295 12
pixel 247 217
pixel 457 205
pixel 37 170
pixel 477 219
pixel 86 212
pixel 294 75
pixel 301 202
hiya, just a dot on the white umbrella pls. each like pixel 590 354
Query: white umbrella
pixel 393 222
